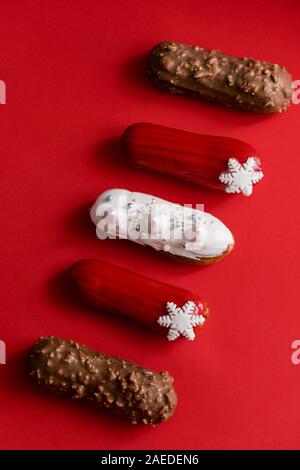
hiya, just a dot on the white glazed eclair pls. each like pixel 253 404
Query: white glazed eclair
pixel 183 232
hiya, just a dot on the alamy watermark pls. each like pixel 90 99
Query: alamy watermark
pixel 2 92
pixel 152 221
pixel 295 356
pixel 296 92
pixel 2 352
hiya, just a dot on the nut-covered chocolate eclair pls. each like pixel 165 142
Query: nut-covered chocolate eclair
pixel 65 367
pixel 246 83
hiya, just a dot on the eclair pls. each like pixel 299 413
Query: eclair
pixel 171 311
pixel 221 163
pixel 72 370
pixel 240 82
pixel 185 233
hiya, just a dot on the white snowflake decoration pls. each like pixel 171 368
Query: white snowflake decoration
pixel 181 320
pixel 241 177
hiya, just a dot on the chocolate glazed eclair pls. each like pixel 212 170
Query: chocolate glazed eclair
pixel 246 83
pixel 65 367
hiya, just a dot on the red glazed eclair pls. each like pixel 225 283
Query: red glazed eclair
pixel 245 83
pixel 221 163
pixel 67 368
pixel 173 311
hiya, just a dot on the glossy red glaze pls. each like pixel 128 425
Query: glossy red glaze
pixel 194 157
pixel 127 293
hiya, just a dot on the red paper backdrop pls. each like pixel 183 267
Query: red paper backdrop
pixel 75 73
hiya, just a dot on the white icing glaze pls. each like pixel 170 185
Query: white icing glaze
pixel 240 178
pixel 165 226
pixel 181 320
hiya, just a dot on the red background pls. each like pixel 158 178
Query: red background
pixel 76 77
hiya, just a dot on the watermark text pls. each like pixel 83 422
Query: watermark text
pixel 2 92
pixel 2 352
